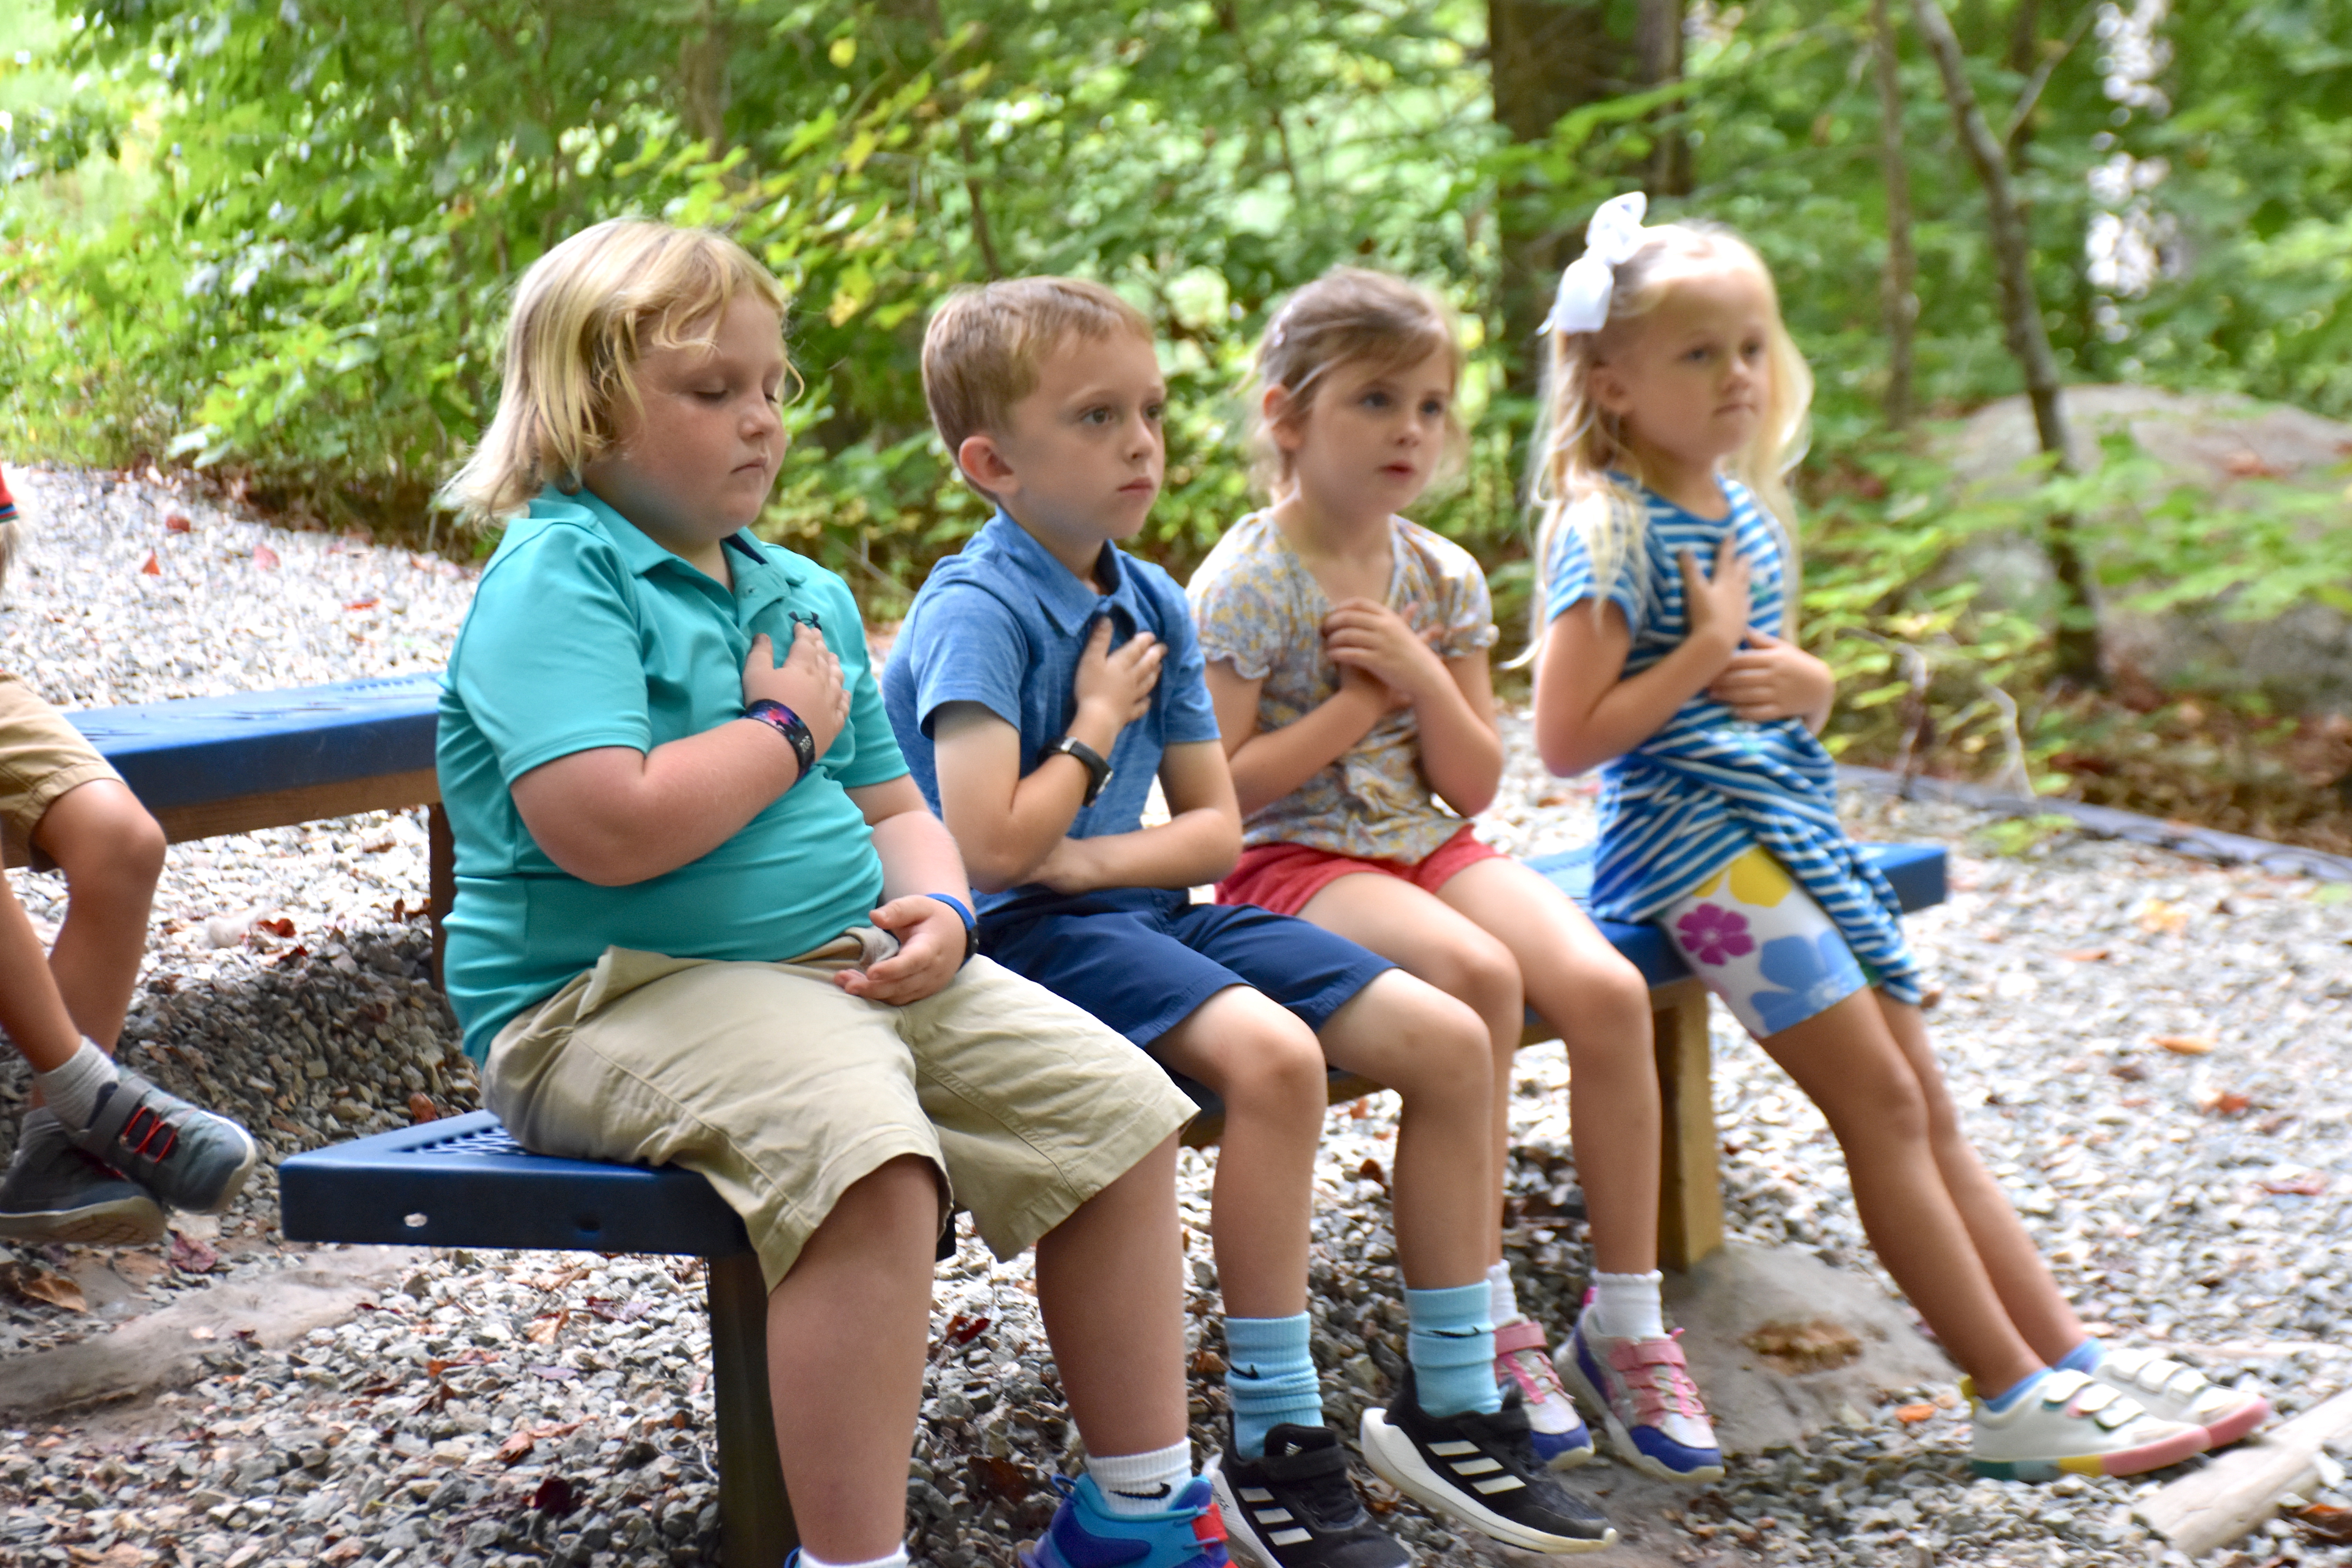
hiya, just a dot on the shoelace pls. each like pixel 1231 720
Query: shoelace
pixel 1667 1389
pixel 1537 1377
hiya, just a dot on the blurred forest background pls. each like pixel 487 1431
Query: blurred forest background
pixel 271 240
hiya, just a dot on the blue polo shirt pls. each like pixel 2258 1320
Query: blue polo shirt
pixel 1002 624
pixel 585 633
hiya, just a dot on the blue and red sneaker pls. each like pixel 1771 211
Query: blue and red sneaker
pixel 1190 1534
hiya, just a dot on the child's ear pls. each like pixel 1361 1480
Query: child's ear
pixel 1276 408
pixel 1608 387
pixel 983 464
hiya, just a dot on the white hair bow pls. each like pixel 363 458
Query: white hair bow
pixel 1613 236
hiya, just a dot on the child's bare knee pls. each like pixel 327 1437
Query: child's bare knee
pixel 1277 1062
pixel 1479 971
pixel 103 839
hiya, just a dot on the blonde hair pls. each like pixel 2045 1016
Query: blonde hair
pixel 984 347
pixel 1348 316
pixel 583 315
pixel 1577 442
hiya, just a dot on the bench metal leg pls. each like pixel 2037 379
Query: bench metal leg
pixel 1690 1196
pixel 755 1516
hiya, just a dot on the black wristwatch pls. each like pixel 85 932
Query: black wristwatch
pixel 791 727
pixel 1097 770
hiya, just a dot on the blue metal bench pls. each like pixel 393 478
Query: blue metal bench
pixel 231 765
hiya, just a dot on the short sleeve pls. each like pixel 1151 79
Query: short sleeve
pixel 1466 620
pixel 965 645
pixel 1238 609
pixel 1186 715
pixel 877 758
pixel 1567 574
pixel 547 663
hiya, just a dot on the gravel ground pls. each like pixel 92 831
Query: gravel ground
pixel 527 1409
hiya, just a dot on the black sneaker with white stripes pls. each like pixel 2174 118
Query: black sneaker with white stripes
pixel 1482 1470
pixel 1295 1508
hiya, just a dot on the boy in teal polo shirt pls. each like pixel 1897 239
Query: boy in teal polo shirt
pixel 703 917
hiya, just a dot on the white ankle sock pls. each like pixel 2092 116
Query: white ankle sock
pixel 72 1090
pixel 1626 1305
pixel 1502 1296
pixel 895 1560
pixel 1134 1484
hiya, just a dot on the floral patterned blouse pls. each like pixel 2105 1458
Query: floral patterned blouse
pixel 1258 606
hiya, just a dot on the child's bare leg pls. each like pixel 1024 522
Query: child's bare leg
pixel 1433 1050
pixel 1420 934
pixel 1852 1067
pixel 848 1330
pixel 1596 1000
pixel 31 1011
pixel 1111 1285
pixel 2018 1273
pixel 1268 1069
pixel 111 852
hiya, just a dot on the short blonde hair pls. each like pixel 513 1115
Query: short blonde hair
pixel 983 346
pixel 1350 315
pixel 1578 443
pixel 583 315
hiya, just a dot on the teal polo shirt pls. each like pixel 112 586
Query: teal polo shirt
pixel 585 633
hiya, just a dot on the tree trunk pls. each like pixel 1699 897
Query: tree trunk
pixel 1545 58
pixel 702 76
pixel 2029 344
pixel 1658 46
pixel 1897 293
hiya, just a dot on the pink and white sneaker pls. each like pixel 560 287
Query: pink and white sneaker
pixel 1645 1398
pixel 1559 1437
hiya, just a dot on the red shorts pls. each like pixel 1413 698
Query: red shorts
pixel 1283 876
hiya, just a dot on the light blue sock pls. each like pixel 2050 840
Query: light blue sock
pixel 1451 1343
pixel 2082 1358
pixel 2016 1392
pixel 1270 1378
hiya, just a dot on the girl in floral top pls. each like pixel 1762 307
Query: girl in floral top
pixel 1346 659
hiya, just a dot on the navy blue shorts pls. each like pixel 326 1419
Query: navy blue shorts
pixel 1143 959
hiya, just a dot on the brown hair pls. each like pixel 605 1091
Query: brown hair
pixel 983 347
pixel 583 315
pixel 1349 315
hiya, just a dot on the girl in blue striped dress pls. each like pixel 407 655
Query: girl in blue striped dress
pixel 1674 406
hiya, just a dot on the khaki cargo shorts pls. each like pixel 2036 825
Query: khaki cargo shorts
pixel 782 1089
pixel 41 757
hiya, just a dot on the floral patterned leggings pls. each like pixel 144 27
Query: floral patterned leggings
pixel 1760 943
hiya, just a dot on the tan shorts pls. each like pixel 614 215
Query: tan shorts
pixel 783 1090
pixel 41 757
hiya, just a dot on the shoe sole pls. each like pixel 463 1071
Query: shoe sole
pixel 1620 1438
pixel 1568 1458
pixel 236 1179
pixel 2238 1422
pixel 124 1222
pixel 2124 1462
pixel 1407 1472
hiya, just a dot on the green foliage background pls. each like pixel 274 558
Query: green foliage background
pixel 273 238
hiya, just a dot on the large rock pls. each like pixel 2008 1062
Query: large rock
pixel 2222 444
pixel 1852 1346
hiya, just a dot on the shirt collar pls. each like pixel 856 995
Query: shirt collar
pixel 643 554
pixel 1067 599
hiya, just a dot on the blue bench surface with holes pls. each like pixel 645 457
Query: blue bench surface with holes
pixel 463 1182
pixel 199 750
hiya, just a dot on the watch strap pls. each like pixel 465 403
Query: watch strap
pixel 791 727
pixel 1097 767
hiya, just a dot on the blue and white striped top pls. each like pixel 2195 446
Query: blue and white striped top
pixel 1698 793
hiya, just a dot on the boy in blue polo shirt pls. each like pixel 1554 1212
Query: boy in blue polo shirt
pixel 1043 679
pixel 704 918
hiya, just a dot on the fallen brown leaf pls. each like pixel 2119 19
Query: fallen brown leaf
pixel 2129 1071
pixel 515 1449
pixel 2159 918
pixel 2326 1522
pixel 555 1496
pixel 421 1109
pixel 999 1477
pixel 154 568
pixel 544 1329
pixel 32 1283
pixel 2184 1045
pixel 2307 1186
pixel 281 926
pixel 1815 1345
pixel 265 557
pixel 2084 955
pixel 2225 1102
pixel 177 522
pixel 191 1255
pixel 141 1269
pixel 1912 1414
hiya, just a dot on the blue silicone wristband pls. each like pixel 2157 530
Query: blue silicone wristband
pixel 971 923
